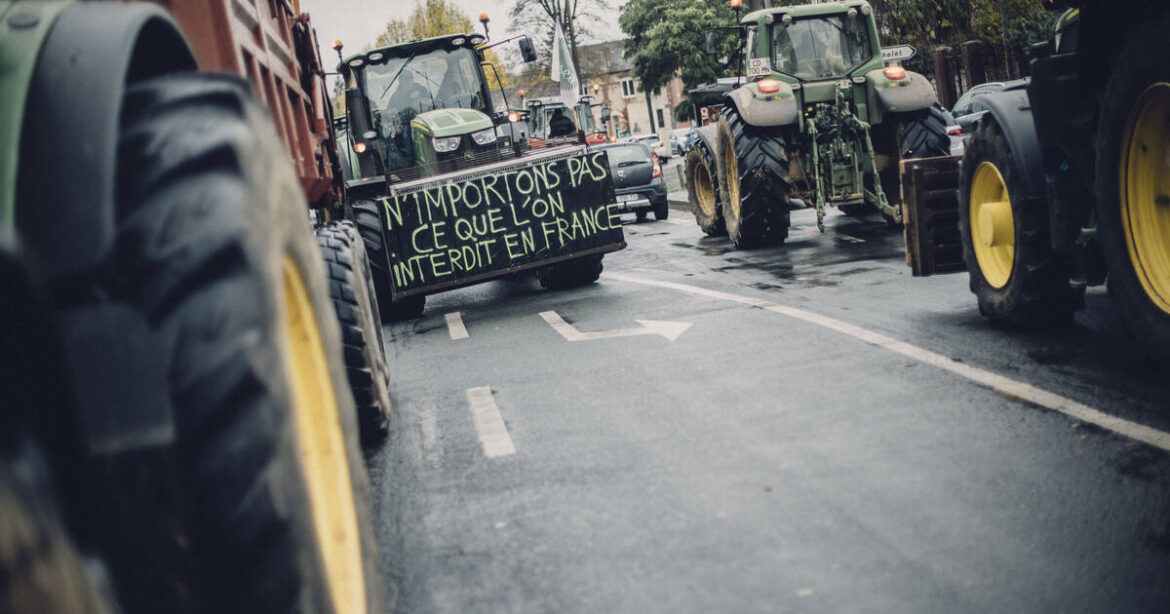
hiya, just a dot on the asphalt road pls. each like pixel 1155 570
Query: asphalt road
pixel 818 432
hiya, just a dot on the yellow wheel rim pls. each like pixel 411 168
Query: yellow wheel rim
pixel 1145 192
pixel 704 189
pixel 732 178
pixel 993 230
pixel 321 448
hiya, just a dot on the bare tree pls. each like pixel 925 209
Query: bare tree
pixel 575 17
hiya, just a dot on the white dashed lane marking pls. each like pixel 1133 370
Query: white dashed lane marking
pixel 489 424
pixel 1006 385
pixel 455 326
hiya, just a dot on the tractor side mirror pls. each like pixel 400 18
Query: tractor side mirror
pixel 527 50
pixel 605 114
pixel 710 41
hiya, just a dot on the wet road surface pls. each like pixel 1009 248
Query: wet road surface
pixel 815 430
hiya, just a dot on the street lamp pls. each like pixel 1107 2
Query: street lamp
pixel 596 87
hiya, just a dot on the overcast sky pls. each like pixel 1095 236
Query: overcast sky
pixel 358 22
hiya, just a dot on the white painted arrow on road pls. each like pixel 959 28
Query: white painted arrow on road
pixel 669 330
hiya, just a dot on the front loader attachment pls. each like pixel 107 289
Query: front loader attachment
pixel 930 213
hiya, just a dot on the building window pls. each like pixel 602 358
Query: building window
pixel 628 90
pixel 661 122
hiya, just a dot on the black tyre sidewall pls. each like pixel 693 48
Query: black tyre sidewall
pixel 701 157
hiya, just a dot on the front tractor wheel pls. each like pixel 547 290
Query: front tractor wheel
pixel 703 187
pixel 1133 186
pixel 1014 274
pixel 755 182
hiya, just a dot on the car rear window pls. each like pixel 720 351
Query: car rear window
pixel 627 153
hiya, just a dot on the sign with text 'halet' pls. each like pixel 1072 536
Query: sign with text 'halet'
pixel 448 232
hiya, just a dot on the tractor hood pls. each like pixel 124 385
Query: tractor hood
pixel 451 122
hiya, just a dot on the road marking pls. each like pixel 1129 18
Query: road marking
pixel 845 237
pixel 669 330
pixel 677 222
pixel 455 326
pixel 489 424
pixel 1027 392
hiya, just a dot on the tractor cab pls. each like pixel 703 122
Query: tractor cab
pixel 543 112
pixel 821 46
pixel 420 105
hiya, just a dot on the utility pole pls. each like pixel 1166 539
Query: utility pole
pixel 650 111
pixel 1007 69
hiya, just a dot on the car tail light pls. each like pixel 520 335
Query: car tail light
pixel 657 167
pixel 955 130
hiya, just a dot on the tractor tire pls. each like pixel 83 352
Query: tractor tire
pixel 214 249
pixel 570 274
pixel 1133 209
pixel 703 187
pixel 923 134
pixel 40 566
pixel 1014 274
pixel 369 225
pixel 919 134
pixel 356 303
pixel 755 182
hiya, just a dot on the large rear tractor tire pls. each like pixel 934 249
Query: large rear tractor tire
pixel 918 134
pixel 1133 186
pixel 703 184
pixel 755 183
pixel 570 274
pixel 214 249
pixel 356 303
pixel 1016 278
pixel 369 225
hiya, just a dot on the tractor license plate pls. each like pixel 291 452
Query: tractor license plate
pixel 625 198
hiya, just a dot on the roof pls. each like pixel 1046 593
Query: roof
pixel 603 58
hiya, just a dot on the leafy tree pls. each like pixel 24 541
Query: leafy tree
pixel 436 18
pixel 665 37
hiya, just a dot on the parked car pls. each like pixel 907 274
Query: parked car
pixel 954 131
pixel 968 109
pixel 651 141
pixel 678 138
pixel 637 179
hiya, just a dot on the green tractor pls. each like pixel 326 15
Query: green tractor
pixel 542 110
pixel 821 119
pixel 1065 181
pixel 444 193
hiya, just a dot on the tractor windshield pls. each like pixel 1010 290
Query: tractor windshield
pixel 821 47
pixel 403 87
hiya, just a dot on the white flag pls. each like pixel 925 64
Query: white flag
pixel 562 69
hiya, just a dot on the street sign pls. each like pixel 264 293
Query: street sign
pixel 899 53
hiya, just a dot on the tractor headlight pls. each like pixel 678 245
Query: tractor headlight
pixel 447 144
pixel 483 137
